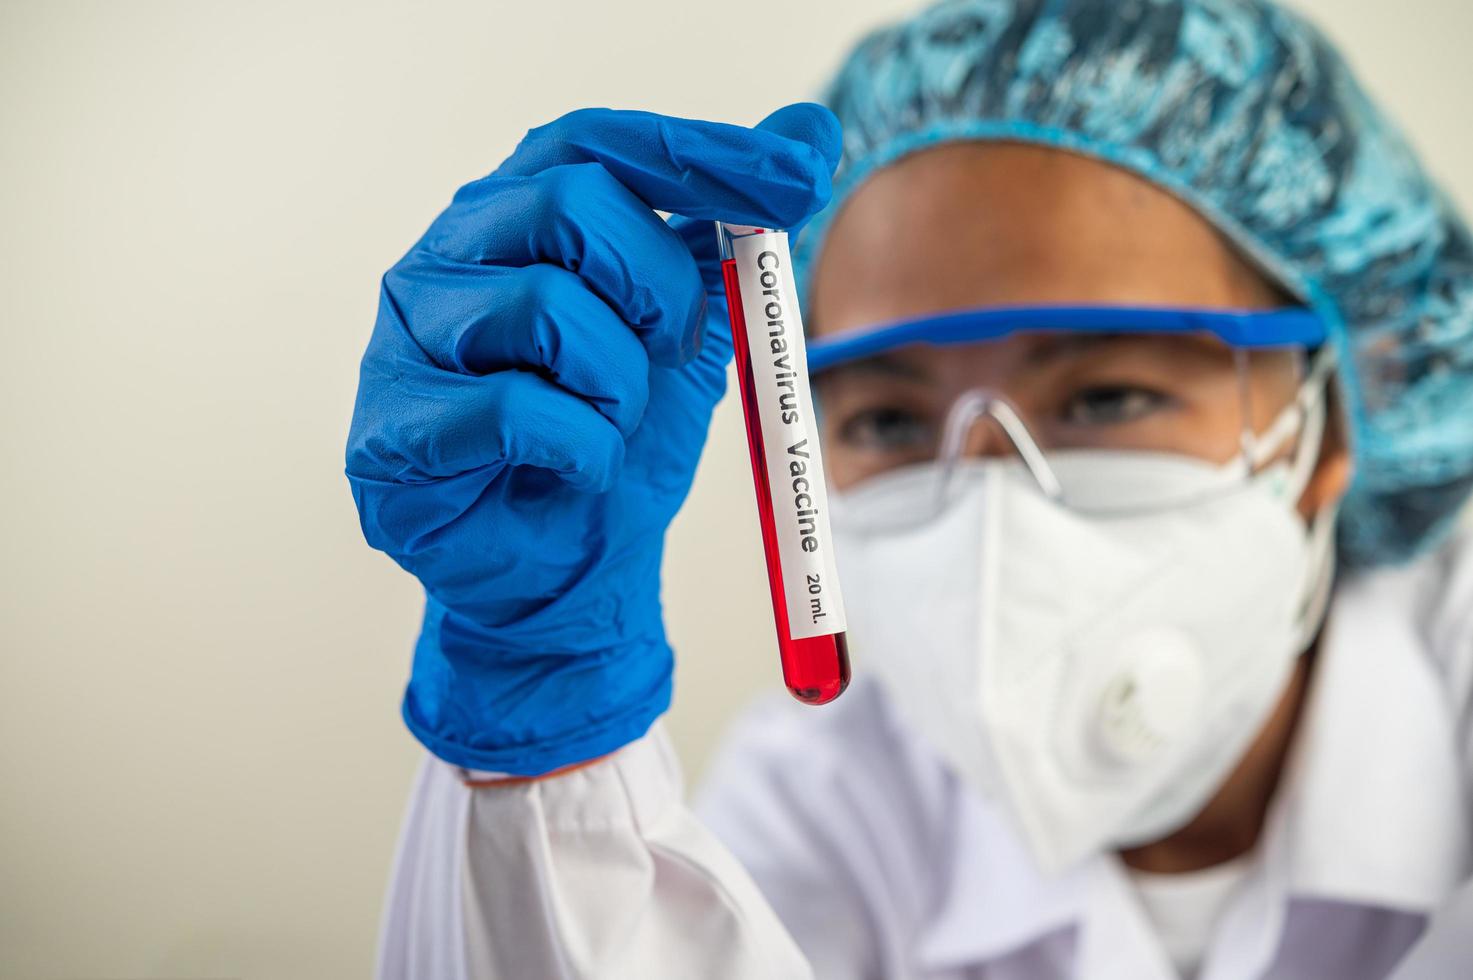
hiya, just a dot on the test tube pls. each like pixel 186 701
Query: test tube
pixel 787 465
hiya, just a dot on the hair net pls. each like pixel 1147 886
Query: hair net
pixel 1247 114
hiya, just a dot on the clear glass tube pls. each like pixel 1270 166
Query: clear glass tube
pixel 787 463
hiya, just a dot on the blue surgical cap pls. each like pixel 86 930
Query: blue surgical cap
pixel 1246 113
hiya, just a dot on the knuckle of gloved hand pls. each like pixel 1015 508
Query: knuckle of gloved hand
pixel 375 455
pixel 576 190
pixel 359 462
pixel 623 394
pixel 583 345
pixel 477 191
pixel 406 423
pixel 402 279
pixel 662 291
pixel 414 279
pixel 677 306
pixel 380 518
pixel 547 304
pixel 604 463
pixel 583 449
pixel 423 318
pixel 693 307
pixel 806 186
pixel 571 129
pixel 628 258
pixel 820 183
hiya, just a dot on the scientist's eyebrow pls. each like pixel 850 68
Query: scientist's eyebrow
pixel 881 365
pixel 1047 347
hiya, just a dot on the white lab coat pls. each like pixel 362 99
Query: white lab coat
pixel 857 854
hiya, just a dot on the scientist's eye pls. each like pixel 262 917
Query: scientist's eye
pixel 1112 404
pixel 887 429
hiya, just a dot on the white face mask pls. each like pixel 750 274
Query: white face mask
pixel 1099 676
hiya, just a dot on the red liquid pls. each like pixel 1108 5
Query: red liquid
pixel 816 669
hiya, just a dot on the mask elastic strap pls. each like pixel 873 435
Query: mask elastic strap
pixel 1308 417
pixel 1319 575
pixel 1305 418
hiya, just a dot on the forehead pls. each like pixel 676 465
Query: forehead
pixel 995 224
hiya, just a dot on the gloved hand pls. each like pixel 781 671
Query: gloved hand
pixel 530 411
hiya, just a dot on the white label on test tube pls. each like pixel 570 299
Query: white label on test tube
pixel 800 499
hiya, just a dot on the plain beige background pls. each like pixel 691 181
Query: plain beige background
pixel 202 760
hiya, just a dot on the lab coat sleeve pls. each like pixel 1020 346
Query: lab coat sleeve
pixel 1446 617
pixel 1446 948
pixel 775 795
pixel 601 872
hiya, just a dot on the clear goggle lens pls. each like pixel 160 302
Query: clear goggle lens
pixel 1102 450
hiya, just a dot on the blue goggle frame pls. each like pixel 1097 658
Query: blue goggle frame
pixel 1285 327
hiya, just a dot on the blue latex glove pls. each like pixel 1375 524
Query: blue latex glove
pixel 530 411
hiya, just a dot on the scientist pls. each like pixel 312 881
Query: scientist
pixel 1143 350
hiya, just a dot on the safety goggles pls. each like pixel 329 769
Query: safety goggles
pixel 1143 391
